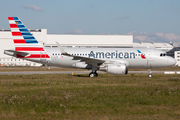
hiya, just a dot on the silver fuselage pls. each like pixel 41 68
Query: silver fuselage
pixel 132 57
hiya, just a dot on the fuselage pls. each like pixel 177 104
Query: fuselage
pixel 137 58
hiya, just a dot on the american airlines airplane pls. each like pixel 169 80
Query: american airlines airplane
pixel 112 60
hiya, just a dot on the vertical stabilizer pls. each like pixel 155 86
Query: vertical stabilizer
pixel 24 41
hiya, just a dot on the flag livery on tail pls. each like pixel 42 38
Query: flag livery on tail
pixel 24 41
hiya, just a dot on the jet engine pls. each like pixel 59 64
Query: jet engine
pixel 117 69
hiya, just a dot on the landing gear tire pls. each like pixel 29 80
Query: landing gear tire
pixel 149 75
pixel 93 74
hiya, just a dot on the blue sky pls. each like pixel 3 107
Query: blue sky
pixel 147 20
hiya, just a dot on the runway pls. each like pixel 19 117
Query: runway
pixel 70 72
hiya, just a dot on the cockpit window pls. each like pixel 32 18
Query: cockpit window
pixel 163 54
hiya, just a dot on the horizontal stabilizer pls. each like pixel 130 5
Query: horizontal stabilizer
pixel 13 52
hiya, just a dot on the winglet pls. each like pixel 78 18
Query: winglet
pixel 61 49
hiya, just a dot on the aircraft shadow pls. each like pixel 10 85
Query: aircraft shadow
pixel 81 76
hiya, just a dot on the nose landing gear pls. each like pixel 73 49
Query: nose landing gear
pixel 149 71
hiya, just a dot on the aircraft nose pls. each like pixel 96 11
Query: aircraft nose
pixel 172 61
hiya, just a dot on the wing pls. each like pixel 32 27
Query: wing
pixel 91 61
pixel 82 59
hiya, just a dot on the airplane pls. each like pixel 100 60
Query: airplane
pixel 111 60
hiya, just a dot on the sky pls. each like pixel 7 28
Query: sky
pixel 146 20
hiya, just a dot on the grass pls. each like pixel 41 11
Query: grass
pixel 134 96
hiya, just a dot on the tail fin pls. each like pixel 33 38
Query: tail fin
pixel 24 41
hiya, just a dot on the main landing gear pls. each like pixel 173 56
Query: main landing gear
pixel 93 74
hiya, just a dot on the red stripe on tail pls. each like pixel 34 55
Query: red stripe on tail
pixel 13 26
pixel 19 41
pixel 16 34
pixel 10 18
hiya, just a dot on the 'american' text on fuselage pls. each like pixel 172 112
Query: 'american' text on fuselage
pixel 108 55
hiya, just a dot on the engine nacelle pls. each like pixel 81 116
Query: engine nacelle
pixel 117 69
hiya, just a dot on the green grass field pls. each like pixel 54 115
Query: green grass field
pixel 132 96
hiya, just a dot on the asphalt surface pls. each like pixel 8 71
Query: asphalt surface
pixel 77 72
